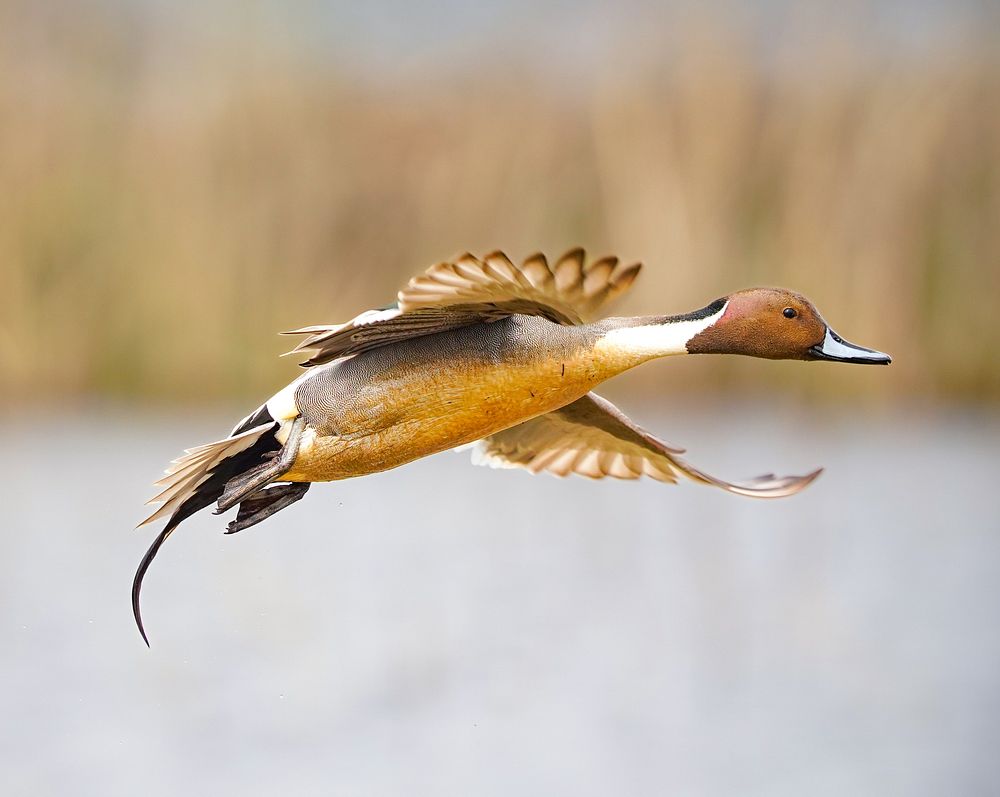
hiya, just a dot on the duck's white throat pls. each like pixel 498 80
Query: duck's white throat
pixel 660 339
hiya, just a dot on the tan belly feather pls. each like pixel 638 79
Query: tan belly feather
pixel 427 401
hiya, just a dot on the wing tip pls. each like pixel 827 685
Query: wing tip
pixel 770 486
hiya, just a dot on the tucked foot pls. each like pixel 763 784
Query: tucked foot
pixel 253 480
pixel 237 486
pixel 264 503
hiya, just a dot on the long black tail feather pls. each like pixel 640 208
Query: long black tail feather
pixel 207 493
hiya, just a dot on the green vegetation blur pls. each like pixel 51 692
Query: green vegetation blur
pixel 164 212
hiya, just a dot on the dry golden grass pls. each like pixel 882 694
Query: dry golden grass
pixel 157 228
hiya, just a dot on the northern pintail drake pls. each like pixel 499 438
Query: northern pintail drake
pixel 489 353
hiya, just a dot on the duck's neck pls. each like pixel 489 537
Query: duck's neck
pixel 630 341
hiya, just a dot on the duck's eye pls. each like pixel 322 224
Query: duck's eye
pixel 789 312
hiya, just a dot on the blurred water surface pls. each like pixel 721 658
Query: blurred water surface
pixel 449 630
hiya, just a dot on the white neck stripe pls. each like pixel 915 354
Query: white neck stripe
pixel 658 340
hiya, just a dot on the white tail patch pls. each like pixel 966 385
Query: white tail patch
pixel 188 471
pixel 282 406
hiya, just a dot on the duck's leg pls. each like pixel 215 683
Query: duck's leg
pixel 250 482
pixel 264 503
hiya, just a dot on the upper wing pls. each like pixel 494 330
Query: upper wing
pixel 593 438
pixel 468 290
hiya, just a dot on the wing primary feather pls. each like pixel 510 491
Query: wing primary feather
pixel 593 438
pixel 468 290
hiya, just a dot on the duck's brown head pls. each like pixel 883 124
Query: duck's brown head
pixel 777 324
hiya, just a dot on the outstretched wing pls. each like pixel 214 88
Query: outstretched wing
pixel 467 291
pixel 594 438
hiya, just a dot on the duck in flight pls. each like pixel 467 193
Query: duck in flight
pixel 483 352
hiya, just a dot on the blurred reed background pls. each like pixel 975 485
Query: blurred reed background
pixel 179 186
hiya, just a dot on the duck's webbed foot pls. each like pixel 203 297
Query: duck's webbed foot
pixel 253 480
pixel 264 503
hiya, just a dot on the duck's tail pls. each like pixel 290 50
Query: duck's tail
pixel 197 479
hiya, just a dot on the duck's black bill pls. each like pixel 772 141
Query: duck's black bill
pixel 839 350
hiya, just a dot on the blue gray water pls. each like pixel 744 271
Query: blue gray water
pixel 449 630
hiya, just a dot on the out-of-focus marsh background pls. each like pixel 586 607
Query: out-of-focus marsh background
pixel 177 184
